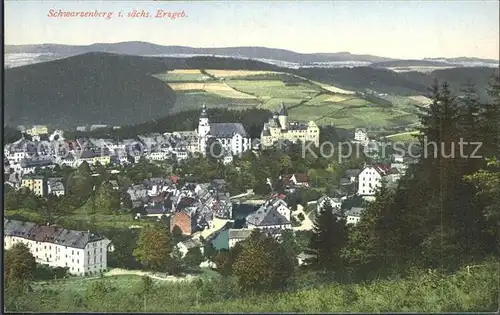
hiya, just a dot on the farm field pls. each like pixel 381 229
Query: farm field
pixel 305 99
pixel 217 88
pixel 236 73
pixel 183 75
pixel 189 100
pixel 404 136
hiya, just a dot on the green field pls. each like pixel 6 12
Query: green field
pixel 192 100
pixel 305 100
pixel 100 220
pixel 475 291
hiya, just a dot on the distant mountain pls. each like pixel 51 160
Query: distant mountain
pixel 410 63
pixel 149 49
pixel 103 88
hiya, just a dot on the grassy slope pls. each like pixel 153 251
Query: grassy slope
pixel 100 220
pixel 461 292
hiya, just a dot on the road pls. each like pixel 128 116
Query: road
pixel 121 272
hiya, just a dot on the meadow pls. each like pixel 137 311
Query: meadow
pixel 305 99
pixel 421 291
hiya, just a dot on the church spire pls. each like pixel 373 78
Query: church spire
pixel 203 111
pixel 283 111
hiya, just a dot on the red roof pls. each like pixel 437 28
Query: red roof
pixel 174 179
pixel 299 177
pixel 382 169
pixel 279 196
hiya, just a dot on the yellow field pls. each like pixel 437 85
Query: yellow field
pixel 336 98
pixel 236 73
pixel 185 71
pixel 421 99
pixel 217 88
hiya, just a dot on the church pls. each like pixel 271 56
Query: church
pixel 280 129
pixel 233 137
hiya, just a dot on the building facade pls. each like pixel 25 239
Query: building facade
pixel 83 253
pixel 35 183
pixel 280 129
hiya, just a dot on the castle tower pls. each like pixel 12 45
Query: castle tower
pixel 203 123
pixel 283 116
pixel 203 128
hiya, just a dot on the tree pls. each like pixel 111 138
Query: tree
pixel 193 257
pixel 176 234
pixel 19 266
pixel 107 199
pixel 329 238
pixel 223 262
pixel 154 248
pixel 175 263
pixel 373 242
pixel 262 264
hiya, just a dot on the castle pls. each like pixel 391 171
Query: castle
pixel 280 129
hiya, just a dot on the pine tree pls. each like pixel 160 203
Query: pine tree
pixel 328 240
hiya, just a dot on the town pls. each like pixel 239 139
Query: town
pixel 200 210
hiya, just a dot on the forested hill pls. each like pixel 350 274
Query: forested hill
pixel 252 120
pixel 102 88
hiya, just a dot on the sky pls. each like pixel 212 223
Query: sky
pixel 397 29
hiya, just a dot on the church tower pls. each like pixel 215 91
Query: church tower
pixel 283 117
pixel 203 128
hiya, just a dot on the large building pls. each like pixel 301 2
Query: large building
pixel 83 253
pixel 232 137
pixel 280 129
pixel 371 177
pixel 35 183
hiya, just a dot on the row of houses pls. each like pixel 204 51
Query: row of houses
pixel 40 185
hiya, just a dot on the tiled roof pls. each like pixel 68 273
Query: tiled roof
pixel 354 212
pixel 49 234
pixel 266 215
pixel 239 234
pixel 227 130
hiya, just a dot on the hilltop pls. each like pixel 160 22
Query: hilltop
pixel 112 89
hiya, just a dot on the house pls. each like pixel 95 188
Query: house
pixel 279 129
pixel 185 219
pixel 83 253
pixel 238 235
pixel 274 214
pixel 185 246
pixel 137 192
pixel 334 202
pixel 303 258
pixel 371 177
pixel 28 166
pixel 114 184
pixel 155 210
pixel 352 175
pixel 297 180
pixel 360 135
pixel 35 183
pixel 55 186
pixel 353 215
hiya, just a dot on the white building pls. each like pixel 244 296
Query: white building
pixel 274 214
pixel 335 202
pixel 83 253
pixel 186 245
pixel 238 235
pixel 353 215
pixel 371 178
pixel 232 137
pixel 360 135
